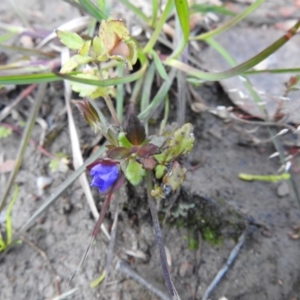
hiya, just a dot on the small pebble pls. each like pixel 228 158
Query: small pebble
pixel 42 183
pixel 283 189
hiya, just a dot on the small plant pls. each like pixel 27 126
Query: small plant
pixel 133 155
pixel 98 68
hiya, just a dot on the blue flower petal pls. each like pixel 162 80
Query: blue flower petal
pixel 104 176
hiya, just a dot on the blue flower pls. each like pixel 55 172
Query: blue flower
pixel 104 175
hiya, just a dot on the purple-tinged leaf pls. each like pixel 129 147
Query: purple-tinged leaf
pixel 118 153
pixel 135 130
pixel 147 150
pixel 148 163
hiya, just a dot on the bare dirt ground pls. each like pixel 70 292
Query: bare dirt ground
pixel 218 209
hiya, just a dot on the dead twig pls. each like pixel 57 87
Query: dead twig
pixel 124 268
pixel 235 251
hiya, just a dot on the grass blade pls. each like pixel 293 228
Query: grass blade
pixel 159 26
pixel 159 97
pixel 230 23
pixel 159 66
pixel 93 10
pixel 239 69
pixel 205 8
pixel 182 9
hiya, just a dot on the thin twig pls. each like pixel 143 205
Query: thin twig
pixel 124 268
pixel 235 251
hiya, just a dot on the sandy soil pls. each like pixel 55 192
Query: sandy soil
pixel 221 209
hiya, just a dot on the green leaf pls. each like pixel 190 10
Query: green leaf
pixel 124 141
pixel 134 172
pixel 179 143
pixel 70 39
pixel 74 62
pixel 84 90
pixel 85 48
pixel 98 280
pixel 182 9
pixel 5 132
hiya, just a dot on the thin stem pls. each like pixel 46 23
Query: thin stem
pixel 160 241
pixel 112 110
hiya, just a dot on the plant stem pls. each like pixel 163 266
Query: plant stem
pixel 160 241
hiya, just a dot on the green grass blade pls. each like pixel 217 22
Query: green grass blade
pixel 231 22
pixel 182 9
pixel 159 66
pixel 29 78
pixel 8 216
pixel 120 94
pixel 273 71
pixel 155 9
pixel 158 28
pixel 239 69
pixel 159 97
pixel 146 94
pixel 93 10
pixel 49 77
pixel 205 8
